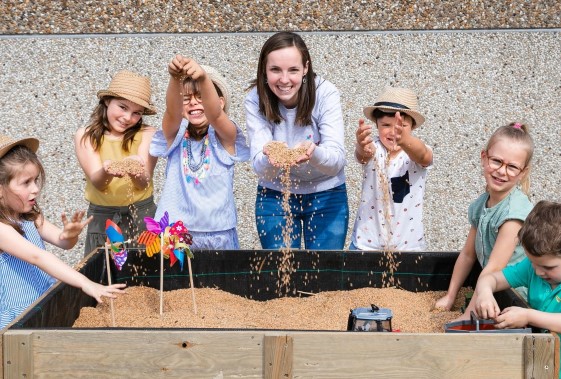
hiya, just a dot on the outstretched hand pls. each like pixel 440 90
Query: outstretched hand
pixel 73 227
pixel 309 148
pixel 175 66
pixel 364 142
pixel 400 132
pixel 183 66
pixel 97 291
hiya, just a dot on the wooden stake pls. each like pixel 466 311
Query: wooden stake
pixel 162 273
pixel 191 283
pixel 109 282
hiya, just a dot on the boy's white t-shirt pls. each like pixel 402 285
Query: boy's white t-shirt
pixel 404 198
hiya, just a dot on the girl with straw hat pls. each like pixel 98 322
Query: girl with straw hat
pixel 201 145
pixel 113 152
pixel 395 166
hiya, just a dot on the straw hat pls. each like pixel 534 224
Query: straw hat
pixel 220 82
pixel 394 99
pixel 130 86
pixel 6 143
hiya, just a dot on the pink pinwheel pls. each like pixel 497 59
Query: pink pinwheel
pixel 157 226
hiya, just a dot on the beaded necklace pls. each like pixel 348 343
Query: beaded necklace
pixel 195 171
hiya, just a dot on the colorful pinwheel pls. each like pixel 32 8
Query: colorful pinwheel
pixel 176 239
pixel 117 242
pixel 151 237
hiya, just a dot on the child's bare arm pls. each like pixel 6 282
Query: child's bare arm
pixel 90 162
pixel 504 246
pixel 485 304
pixel 15 244
pixel 173 115
pixel 462 268
pixel 413 146
pixel 544 320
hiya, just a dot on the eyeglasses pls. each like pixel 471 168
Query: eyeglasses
pixel 188 96
pixel 497 163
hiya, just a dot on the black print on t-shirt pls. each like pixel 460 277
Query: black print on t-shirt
pixel 400 187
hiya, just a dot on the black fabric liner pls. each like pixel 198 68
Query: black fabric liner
pixel 254 274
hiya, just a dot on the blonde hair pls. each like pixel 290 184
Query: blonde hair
pixel 516 132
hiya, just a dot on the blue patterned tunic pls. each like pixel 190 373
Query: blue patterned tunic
pixel 21 283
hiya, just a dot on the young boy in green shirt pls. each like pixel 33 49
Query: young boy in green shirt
pixel 540 272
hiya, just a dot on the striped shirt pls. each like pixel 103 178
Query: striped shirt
pixel 21 283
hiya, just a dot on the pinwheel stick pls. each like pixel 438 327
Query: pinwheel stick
pixel 162 273
pixel 109 282
pixel 192 286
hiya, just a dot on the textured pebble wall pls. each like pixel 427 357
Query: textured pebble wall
pixel 469 83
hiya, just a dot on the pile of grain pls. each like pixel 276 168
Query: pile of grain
pixel 139 307
pixel 130 167
pixel 282 155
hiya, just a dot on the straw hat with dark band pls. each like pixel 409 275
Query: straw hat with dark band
pixel 6 143
pixel 131 86
pixel 397 100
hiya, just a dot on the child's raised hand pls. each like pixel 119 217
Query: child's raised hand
pixel 175 66
pixel 364 139
pixel 97 291
pixel 512 317
pixel 74 226
pixel 193 69
pixel 399 130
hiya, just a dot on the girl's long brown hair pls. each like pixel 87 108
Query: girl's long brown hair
pixel 99 124
pixel 10 165
pixel 268 101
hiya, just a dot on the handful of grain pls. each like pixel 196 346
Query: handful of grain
pixel 130 167
pixel 283 155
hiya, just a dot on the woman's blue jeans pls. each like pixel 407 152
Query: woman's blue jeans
pixel 322 218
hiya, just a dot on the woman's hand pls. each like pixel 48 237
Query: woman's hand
pixel 308 147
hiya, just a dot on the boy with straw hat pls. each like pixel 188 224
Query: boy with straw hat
pixel 395 165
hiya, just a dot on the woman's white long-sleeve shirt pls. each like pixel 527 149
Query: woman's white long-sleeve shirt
pixel 325 169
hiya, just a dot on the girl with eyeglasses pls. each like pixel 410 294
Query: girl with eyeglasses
pixel 497 215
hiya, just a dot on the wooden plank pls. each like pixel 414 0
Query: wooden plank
pixel 222 354
pixel 541 357
pixel 278 352
pixel 18 355
pixel 70 353
pixel 401 355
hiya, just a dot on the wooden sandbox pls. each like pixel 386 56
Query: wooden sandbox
pixel 42 344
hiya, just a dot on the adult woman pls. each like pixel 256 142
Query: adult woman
pixel 289 103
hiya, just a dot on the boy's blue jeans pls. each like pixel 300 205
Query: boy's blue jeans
pixel 321 217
